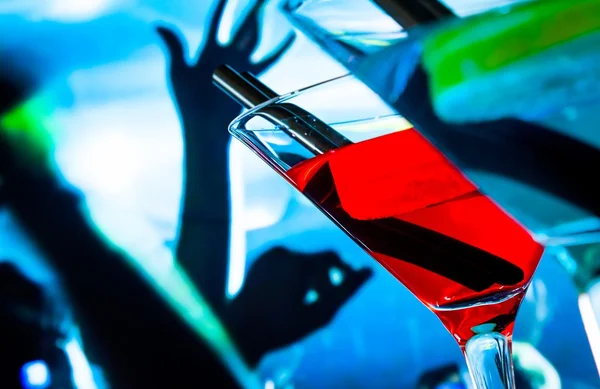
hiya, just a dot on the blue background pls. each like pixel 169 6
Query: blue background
pixel 102 64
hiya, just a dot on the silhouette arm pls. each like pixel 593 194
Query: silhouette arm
pixel 203 238
pixel 128 328
pixel 205 112
pixel 203 246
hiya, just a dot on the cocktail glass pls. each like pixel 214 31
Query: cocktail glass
pixel 351 31
pixel 407 206
pixel 511 96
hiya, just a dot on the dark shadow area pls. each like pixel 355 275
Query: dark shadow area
pixel 127 328
pixel 271 305
pixel 27 331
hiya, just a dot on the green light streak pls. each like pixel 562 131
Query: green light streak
pixel 31 127
pixel 174 285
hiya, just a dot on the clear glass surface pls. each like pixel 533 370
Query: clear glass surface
pixel 525 79
pixel 510 92
pixel 351 31
pixel 432 219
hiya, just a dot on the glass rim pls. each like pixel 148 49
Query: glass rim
pixel 248 114
pixel 292 7
pixel 286 96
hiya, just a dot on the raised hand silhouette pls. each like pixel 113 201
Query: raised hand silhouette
pixel 191 84
pixel 289 295
pixel 270 311
pixel 205 113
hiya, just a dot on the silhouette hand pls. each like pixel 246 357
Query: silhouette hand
pixel 287 296
pixel 192 84
pixel 205 115
pixel 243 44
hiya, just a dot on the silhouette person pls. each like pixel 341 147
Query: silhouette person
pixel 271 305
pixel 127 328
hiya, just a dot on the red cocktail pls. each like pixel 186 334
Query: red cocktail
pixel 406 205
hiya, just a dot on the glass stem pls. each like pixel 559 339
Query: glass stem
pixel 489 358
pixel 581 261
pixel 589 306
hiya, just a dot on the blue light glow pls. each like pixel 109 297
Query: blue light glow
pixel 312 296
pixel 453 385
pixel 269 384
pixel 336 276
pixel 35 375
pixel 82 374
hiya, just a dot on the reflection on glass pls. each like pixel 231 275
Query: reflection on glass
pixel 412 211
pixel 363 27
pixel 351 32
pixel 473 88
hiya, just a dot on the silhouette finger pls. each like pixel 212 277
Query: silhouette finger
pixel 268 62
pixel 245 41
pixel 173 44
pixel 247 36
pixel 358 278
pixel 215 22
pixel 251 21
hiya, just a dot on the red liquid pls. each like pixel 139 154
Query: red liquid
pixel 405 204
